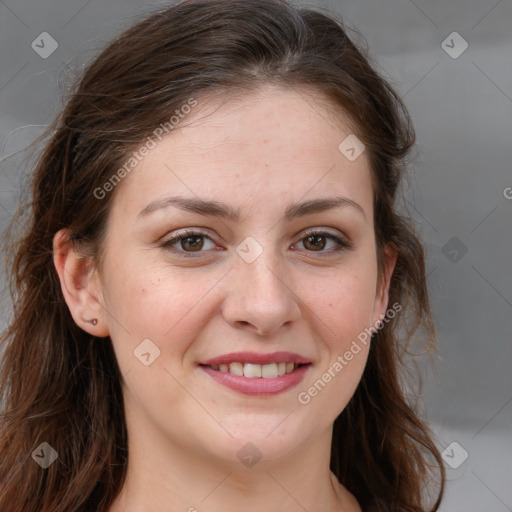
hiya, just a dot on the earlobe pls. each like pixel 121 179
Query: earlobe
pixel 79 285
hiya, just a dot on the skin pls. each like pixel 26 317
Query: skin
pixel 257 152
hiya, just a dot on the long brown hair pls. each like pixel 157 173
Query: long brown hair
pixel 59 385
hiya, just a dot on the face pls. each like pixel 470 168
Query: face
pixel 278 275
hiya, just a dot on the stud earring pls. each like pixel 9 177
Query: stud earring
pixel 92 321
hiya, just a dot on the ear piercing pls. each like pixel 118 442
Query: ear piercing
pixel 93 321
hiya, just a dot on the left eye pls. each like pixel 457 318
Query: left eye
pixel 317 241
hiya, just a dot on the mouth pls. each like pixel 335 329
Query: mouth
pixel 257 374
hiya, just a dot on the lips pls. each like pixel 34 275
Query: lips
pixel 257 374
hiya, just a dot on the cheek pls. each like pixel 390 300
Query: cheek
pixel 344 301
pixel 345 305
pixel 158 303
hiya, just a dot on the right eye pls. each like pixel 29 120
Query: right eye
pixel 188 241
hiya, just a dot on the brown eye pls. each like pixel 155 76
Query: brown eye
pixel 188 242
pixel 315 242
pixel 318 241
pixel 192 243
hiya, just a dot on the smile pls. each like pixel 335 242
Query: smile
pixel 257 374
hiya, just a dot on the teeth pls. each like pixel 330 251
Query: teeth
pixel 236 369
pixel 269 371
pixel 254 371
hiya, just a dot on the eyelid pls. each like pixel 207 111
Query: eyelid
pixel 323 231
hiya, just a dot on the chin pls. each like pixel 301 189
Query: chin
pixel 257 437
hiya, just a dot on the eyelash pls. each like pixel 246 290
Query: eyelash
pixel 342 245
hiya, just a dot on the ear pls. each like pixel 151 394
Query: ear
pixel 80 285
pixel 382 290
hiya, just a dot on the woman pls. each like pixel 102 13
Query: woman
pixel 213 279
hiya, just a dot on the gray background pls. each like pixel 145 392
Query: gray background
pixel 458 193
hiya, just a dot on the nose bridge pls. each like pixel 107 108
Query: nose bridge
pixel 259 292
pixel 260 266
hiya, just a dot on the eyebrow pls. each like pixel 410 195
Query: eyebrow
pixel 215 208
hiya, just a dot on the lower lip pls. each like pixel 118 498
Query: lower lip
pixel 258 386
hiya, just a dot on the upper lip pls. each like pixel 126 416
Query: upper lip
pixel 256 358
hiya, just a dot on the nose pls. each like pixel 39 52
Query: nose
pixel 260 296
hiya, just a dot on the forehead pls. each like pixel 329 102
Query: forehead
pixel 252 148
